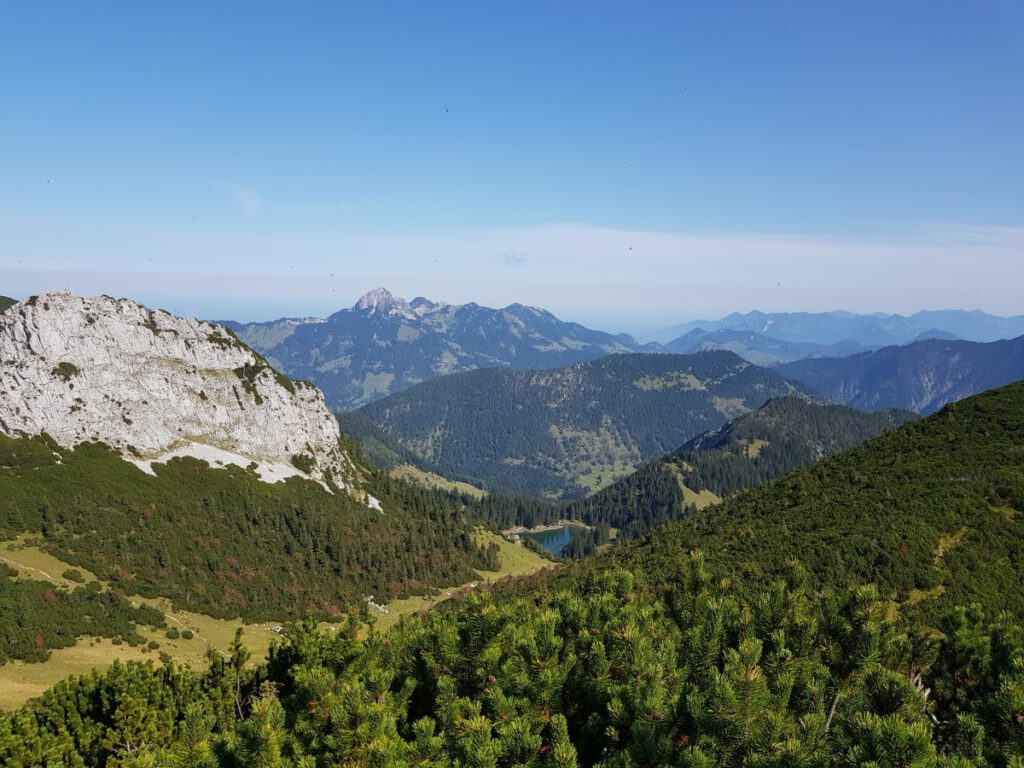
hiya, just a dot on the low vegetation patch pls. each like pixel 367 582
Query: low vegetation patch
pixel 65 370
pixel 37 617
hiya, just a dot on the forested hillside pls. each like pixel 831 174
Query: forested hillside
pixel 378 448
pixel 221 541
pixel 563 432
pixel 7 301
pixel 783 434
pixel 932 512
pixel 36 618
pixel 920 377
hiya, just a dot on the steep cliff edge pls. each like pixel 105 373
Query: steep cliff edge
pixel 155 386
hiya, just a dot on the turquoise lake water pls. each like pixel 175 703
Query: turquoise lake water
pixel 554 540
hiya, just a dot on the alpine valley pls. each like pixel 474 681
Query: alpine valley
pixel 606 475
pixel 558 433
pixel 198 567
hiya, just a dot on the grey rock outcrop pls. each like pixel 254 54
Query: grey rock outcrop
pixel 154 385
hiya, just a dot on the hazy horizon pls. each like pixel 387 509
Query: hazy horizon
pixel 643 332
pixel 626 169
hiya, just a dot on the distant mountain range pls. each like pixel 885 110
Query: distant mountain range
pixel 781 435
pixel 757 348
pixel 384 344
pixel 921 377
pixel 7 301
pixel 560 433
pixel 875 330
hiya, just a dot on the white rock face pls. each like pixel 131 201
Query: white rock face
pixel 153 385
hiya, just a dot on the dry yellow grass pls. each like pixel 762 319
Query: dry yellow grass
pixel 515 559
pixel 754 447
pixel 431 480
pixel 919 595
pixel 20 681
pixel 700 499
pixel 33 563
pixel 948 541
pixel 1008 512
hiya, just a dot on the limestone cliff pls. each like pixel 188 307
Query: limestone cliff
pixel 154 386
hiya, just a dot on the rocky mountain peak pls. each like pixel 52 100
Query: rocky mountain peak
pixel 155 386
pixel 382 301
pixel 423 306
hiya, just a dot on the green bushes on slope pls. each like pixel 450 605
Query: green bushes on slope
pixel 36 617
pixel 614 670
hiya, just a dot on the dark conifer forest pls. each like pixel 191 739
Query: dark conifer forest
pixel 221 542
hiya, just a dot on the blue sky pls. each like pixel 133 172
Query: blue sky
pixel 623 164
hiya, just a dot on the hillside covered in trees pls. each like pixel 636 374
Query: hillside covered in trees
pixel 920 377
pixel 783 434
pixel 221 541
pixel 36 618
pixel 932 512
pixel 561 433
pixel 605 668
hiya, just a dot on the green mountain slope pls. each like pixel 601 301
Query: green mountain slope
pixel 561 433
pixel 7 301
pixel 921 377
pixel 377 447
pixel 648 657
pixel 222 542
pixel 783 434
pixel 780 436
pixel 932 510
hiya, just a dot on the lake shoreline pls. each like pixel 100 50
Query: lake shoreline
pixel 520 529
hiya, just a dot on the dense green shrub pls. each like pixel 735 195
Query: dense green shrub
pixel 608 669
pixel 37 617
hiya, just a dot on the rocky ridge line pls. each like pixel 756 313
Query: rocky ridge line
pixel 153 386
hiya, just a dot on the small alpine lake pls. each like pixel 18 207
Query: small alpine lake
pixel 554 540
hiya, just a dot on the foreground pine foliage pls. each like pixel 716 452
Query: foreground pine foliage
pixel 607 670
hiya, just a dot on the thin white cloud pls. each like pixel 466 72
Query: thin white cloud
pixel 242 196
pixel 514 258
pixel 607 277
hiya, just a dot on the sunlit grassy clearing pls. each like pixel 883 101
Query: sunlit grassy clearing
pixel 431 480
pixel 20 681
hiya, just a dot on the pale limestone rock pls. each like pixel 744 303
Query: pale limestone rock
pixel 153 385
